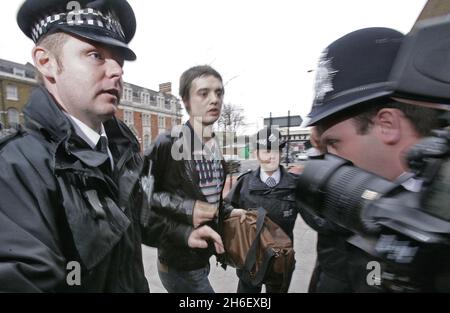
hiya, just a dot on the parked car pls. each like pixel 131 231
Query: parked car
pixel 301 157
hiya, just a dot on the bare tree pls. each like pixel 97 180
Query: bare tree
pixel 232 118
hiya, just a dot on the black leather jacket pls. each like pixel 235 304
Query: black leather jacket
pixel 175 192
pixel 56 207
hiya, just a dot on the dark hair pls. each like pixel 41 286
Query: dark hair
pixel 423 119
pixel 189 75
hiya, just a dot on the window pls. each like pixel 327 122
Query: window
pixel 19 72
pixel 147 141
pixel 12 93
pixel 160 102
pixel 13 117
pixel 146 122
pixel 174 105
pixel 168 104
pixel 153 100
pixel 128 94
pixel 128 117
pixel 161 122
pixel 145 98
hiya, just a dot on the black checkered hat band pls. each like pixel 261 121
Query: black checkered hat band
pixel 89 17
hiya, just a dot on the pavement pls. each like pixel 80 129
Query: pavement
pixel 225 281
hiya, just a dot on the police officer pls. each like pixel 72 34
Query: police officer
pixel 69 182
pixel 358 118
pixel 269 186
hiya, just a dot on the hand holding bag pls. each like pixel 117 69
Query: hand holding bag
pixel 260 248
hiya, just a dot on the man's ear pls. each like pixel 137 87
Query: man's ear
pixel 45 63
pixel 389 125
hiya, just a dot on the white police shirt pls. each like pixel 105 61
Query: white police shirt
pixel 276 176
pixel 89 135
pixel 410 183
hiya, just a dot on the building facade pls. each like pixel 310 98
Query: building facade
pixel 149 113
pixel 16 83
pixel 146 112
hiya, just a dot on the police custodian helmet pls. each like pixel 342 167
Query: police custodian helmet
pixel 109 22
pixel 268 139
pixel 354 69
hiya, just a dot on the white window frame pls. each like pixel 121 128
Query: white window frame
pixel 127 94
pixel 168 106
pixel 146 131
pixel 12 93
pixel 128 117
pixel 160 101
pixel 146 142
pixel 146 120
pixel 174 106
pixel 153 102
pixel 163 124
pixel 145 98
pixel 13 116
pixel 18 72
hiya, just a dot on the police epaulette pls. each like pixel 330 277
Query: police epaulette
pixel 10 134
pixel 243 174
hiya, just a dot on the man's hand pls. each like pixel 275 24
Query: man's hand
pixel 203 212
pixel 200 236
pixel 296 169
pixel 239 212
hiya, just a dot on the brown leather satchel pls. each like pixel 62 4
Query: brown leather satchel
pixel 260 248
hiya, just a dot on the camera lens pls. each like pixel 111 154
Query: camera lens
pixel 338 191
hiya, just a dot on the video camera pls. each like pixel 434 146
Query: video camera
pixel 365 203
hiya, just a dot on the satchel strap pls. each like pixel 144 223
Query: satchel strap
pixel 259 277
pixel 287 274
pixel 250 260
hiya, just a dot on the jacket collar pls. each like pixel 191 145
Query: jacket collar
pixel 286 180
pixel 44 115
pixel 196 140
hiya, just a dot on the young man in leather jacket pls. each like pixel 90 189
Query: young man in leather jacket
pixel 189 177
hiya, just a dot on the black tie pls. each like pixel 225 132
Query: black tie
pixel 102 146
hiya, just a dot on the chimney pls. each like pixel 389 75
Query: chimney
pixel 165 88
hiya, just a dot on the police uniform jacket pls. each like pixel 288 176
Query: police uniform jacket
pixel 250 192
pixel 61 217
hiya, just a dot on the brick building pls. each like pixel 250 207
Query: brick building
pixel 149 113
pixel 146 112
pixel 16 83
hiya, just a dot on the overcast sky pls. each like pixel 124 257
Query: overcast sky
pixel 263 48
